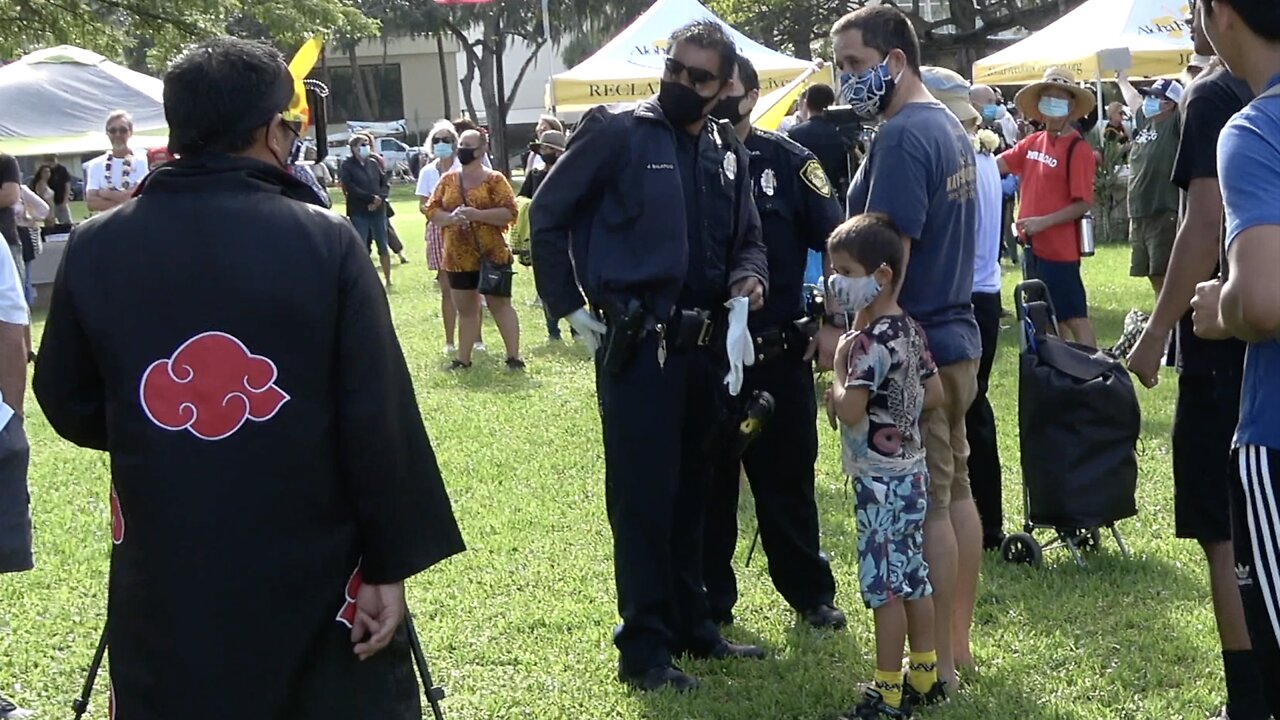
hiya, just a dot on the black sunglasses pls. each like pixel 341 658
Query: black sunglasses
pixel 118 131
pixel 445 140
pixel 697 75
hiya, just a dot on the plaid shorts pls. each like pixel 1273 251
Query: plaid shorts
pixel 890 520
pixel 435 247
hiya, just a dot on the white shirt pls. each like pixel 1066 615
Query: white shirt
pixel 107 172
pixel 534 162
pixel 429 178
pixel 1008 128
pixel 986 256
pixel 13 310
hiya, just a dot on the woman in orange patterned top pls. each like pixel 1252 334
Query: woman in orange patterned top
pixel 473 207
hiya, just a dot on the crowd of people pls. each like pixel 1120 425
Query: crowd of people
pixel 651 229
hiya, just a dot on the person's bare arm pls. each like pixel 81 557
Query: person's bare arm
pixel 1195 253
pixel 1003 165
pixel 493 216
pixel 1250 305
pixel 1068 214
pixel 13 365
pixel 1132 97
pixel 101 200
pixel 10 193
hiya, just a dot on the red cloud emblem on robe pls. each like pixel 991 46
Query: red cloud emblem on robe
pixel 211 386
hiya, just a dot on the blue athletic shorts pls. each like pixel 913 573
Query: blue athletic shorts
pixel 1066 288
pixel 890 520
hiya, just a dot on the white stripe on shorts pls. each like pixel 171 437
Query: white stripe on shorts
pixel 1264 527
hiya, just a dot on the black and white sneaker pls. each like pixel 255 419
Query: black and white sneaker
pixel 873 707
pixel 936 695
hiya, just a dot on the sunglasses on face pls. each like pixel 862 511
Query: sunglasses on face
pixel 697 75
pixel 118 131
pixel 442 140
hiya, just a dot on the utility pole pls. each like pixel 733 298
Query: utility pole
pixel 498 125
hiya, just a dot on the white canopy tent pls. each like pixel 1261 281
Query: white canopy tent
pixel 57 101
pixel 629 67
pixel 1154 32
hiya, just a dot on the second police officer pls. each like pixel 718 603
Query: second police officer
pixel 798 209
pixel 649 213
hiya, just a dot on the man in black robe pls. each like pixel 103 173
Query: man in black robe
pixel 227 342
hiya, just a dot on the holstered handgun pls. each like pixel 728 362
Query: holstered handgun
pixel 626 328
pixel 815 309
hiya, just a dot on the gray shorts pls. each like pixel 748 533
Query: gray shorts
pixel 15 501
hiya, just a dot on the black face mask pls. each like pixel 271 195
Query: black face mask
pixel 549 158
pixel 729 109
pixel 466 156
pixel 681 104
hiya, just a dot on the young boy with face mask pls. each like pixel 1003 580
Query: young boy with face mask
pixel 885 379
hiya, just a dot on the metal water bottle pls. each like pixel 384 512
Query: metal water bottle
pixel 1086 235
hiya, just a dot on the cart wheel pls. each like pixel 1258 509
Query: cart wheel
pixel 1021 548
pixel 1090 541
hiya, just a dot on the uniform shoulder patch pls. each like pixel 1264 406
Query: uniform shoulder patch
pixel 815 177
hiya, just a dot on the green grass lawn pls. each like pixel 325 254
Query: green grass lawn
pixel 520 625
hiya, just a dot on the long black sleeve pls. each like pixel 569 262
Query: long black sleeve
pixel 750 256
pixel 360 188
pixel 405 519
pixel 68 383
pixel 572 182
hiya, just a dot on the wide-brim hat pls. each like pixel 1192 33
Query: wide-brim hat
pixel 552 140
pixel 1028 98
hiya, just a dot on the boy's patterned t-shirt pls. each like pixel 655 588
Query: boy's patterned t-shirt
pixel 890 358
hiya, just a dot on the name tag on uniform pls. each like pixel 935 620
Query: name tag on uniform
pixel 660 166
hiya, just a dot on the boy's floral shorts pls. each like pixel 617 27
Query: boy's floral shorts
pixel 890 519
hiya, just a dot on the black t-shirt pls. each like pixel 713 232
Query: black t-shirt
pixel 1210 102
pixel 59 183
pixel 9 173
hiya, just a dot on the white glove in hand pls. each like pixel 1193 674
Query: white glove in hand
pixel 738 344
pixel 589 329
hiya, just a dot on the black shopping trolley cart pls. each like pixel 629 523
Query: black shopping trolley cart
pixel 1079 421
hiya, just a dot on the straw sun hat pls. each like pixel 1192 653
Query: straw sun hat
pixel 1028 98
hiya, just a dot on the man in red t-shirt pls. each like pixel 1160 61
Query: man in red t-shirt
pixel 1056 167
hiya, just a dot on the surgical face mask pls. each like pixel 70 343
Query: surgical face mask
pixel 442 150
pixel 853 294
pixel 1052 107
pixel 466 156
pixel 364 152
pixel 870 93
pixel 1151 106
pixel 682 105
pixel 990 112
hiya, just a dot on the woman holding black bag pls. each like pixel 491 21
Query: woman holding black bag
pixel 474 207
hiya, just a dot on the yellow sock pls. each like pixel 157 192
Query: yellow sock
pixel 923 670
pixel 889 684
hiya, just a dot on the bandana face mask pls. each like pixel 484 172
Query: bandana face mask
pixel 870 93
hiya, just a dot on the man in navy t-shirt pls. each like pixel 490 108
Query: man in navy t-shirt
pixel 1246 304
pixel 920 172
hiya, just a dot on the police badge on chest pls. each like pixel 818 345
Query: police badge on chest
pixel 730 167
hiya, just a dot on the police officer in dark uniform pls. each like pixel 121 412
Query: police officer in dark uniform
pixel 798 209
pixel 649 213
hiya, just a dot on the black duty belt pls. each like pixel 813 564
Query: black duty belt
pixel 777 342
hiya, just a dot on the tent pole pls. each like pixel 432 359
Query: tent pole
pixel 1101 109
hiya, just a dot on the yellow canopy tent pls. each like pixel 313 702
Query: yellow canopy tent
pixel 1154 31
pixel 629 66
